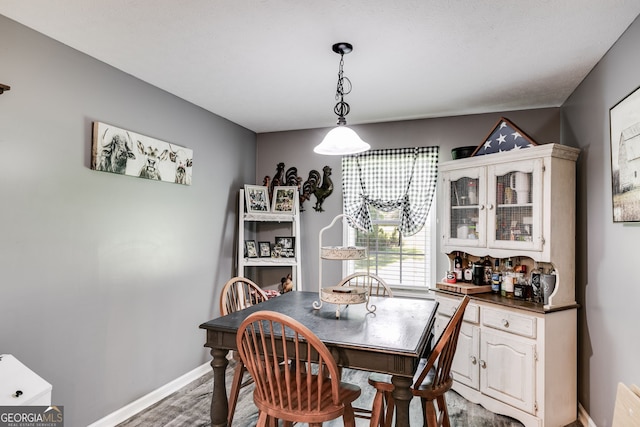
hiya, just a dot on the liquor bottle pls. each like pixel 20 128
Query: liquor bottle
pixel 496 277
pixel 518 279
pixel 535 283
pixel 508 279
pixel 519 287
pixel 468 269
pixel 457 266
pixel 487 271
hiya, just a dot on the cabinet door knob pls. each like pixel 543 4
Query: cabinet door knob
pixel 483 364
pixel 474 360
pixel 481 207
pixel 490 206
pixel 505 323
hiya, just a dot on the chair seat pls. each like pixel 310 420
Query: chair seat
pixel 316 414
pixel 427 383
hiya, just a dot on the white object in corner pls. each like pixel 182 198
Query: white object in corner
pixel 20 386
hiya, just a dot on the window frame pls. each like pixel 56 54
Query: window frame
pixel 406 290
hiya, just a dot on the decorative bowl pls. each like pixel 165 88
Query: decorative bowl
pixel 462 152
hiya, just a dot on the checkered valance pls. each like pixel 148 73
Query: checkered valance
pixel 400 178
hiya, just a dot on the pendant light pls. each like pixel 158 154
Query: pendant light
pixel 342 140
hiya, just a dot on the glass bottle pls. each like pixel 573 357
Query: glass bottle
pixel 508 279
pixel 468 269
pixel 457 266
pixel 486 264
pixel 496 277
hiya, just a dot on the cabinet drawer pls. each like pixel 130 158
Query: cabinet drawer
pixel 447 306
pixel 509 322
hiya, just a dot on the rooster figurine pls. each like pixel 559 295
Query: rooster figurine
pixel 314 186
pixel 278 179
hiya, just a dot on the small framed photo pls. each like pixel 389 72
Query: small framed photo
pixel 257 198
pixel 284 199
pixel 286 246
pixel 250 249
pixel 264 249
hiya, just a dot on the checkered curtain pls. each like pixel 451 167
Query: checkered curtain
pixel 391 179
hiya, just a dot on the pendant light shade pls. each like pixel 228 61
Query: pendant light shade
pixel 342 140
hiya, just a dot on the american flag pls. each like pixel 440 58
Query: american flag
pixel 505 136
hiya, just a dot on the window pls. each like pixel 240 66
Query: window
pixel 402 261
pixel 388 195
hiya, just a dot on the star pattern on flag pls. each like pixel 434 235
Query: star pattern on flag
pixel 505 136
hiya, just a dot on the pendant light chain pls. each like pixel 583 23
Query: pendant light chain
pixel 342 108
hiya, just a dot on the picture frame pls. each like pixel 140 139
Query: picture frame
pixel 250 249
pixel 257 198
pixel 284 199
pixel 624 123
pixel 264 249
pixel 286 245
pixel 124 152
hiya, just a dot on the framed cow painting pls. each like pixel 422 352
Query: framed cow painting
pixel 124 152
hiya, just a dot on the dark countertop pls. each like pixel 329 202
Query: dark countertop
pixel 510 302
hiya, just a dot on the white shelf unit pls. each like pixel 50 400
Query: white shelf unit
pixel 249 228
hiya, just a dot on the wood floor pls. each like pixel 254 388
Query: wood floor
pixel 190 407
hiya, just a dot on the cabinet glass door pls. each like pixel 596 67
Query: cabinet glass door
pixel 464 193
pixel 515 202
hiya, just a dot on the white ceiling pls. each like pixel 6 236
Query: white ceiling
pixel 268 66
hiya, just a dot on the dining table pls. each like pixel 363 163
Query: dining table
pixel 386 335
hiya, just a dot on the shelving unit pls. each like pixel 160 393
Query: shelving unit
pixel 251 226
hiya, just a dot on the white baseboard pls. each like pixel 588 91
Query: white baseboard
pixel 584 417
pixel 155 396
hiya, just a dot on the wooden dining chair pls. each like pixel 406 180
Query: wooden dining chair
pixel 431 381
pixel 375 285
pixel 306 389
pixel 238 293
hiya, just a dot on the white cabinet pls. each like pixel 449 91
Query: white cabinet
pixel 266 227
pixel 515 362
pixel 516 203
pixel 20 386
pixel 496 202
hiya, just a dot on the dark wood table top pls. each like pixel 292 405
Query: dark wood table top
pixel 399 328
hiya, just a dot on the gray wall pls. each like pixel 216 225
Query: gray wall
pixel 105 278
pixel 607 282
pixel 296 149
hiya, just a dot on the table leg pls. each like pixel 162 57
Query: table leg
pixel 402 396
pixel 219 401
